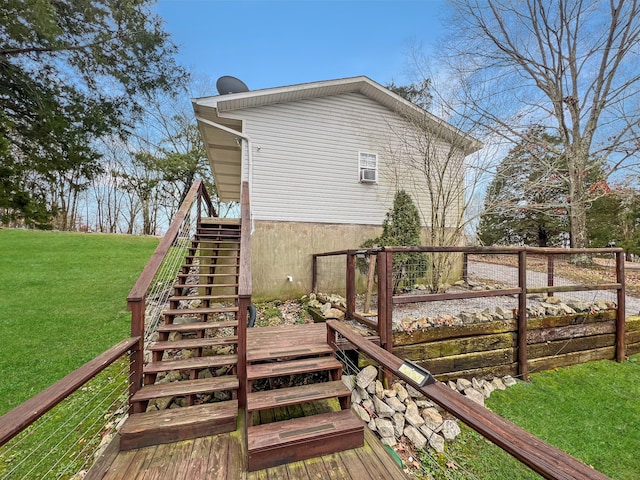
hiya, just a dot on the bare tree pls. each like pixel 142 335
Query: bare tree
pixel 441 167
pixel 569 66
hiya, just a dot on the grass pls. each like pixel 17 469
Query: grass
pixel 62 303
pixel 590 411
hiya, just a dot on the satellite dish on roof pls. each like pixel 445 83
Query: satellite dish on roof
pixel 227 84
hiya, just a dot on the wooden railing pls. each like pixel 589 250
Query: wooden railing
pixel 541 457
pixel 136 300
pixel 25 414
pixel 387 297
pixel 244 291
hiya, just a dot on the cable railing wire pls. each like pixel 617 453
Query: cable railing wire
pixel 72 425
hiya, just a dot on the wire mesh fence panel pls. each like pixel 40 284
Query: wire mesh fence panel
pixel 331 274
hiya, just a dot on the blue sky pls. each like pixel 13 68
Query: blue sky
pixel 274 43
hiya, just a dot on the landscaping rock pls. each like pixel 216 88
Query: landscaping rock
pixel 474 395
pixel 367 375
pixel 450 429
pixel 382 409
pixel 415 437
pixel 385 427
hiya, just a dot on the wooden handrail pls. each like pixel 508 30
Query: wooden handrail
pixel 141 286
pixel 16 420
pixel 544 459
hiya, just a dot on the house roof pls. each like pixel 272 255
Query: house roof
pixel 222 143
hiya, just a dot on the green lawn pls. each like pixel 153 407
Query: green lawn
pixel 62 302
pixel 591 411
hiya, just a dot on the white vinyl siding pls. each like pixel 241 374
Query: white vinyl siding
pixel 305 153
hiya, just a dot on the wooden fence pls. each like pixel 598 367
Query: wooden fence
pixel 512 346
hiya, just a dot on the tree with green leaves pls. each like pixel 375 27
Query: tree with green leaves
pixel 401 227
pixel 614 218
pixel 526 202
pixel 71 72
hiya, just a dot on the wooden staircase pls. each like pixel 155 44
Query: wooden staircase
pixel 283 357
pixel 194 361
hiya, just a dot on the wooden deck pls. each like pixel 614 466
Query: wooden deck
pixel 223 456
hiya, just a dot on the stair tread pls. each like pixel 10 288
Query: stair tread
pixel 179 298
pixel 219 221
pixel 217 238
pixel 191 363
pixel 277 434
pixel 283 397
pixel 177 424
pixel 195 326
pixel 175 417
pixel 267 352
pixel 193 343
pixel 208 285
pixel 222 233
pixel 186 387
pixel 213 256
pixel 199 310
pixel 215 249
pixel 207 275
pixel 267 370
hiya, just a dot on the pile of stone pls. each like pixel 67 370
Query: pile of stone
pixel 325 303
pixel 401 413
pixel 537 306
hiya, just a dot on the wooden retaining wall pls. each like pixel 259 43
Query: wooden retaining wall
pixel 490 349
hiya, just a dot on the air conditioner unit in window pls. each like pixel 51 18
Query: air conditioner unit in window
pixel 367 175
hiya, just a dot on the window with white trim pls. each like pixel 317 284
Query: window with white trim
pixel 368 167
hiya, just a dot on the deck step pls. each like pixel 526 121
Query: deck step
pixel 210 256
pixel 193 363
pixel 303 438
pixel 215 249
pixel 193 343
pixel 272 352
pixel 180 298
pixel 217 234
pixel 208 285
pixel 206 275
pixel 167 426
pixel 277 369
pixel 173 312
pixel 219 221
pixel 186 387
pixel 195 326
pixel 209 241
pixel 284 397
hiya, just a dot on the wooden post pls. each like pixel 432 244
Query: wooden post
pixel 389 299
pixel 382 298
pixel 523 368
pixel 136 357
pixel 244 301
pixel 314 274
pixel 550 273
pixel 465 267
pixel 370 281
pixel 351 285
pixel 621 314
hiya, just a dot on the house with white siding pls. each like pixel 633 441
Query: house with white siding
pixel 323 161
